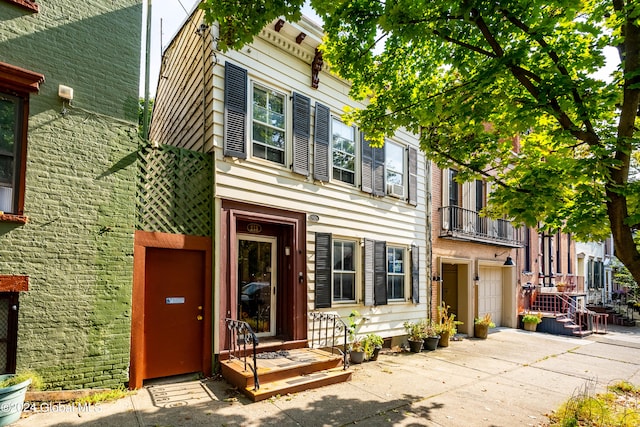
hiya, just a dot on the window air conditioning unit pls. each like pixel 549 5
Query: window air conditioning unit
pixel 395 190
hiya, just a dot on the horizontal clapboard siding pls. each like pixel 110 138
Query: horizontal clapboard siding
pixel 345 211
pixel 178 112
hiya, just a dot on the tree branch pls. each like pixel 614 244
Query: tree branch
pixel 522 76
pixel 556 60
pixel 460 163
pixel 465 45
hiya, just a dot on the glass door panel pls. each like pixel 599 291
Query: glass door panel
pixel 256 283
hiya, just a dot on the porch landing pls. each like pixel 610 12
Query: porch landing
pixel 285 371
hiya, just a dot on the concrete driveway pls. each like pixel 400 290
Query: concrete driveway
pixel 512 378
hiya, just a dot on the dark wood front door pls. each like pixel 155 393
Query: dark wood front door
pixel 450 287
pixel 173 318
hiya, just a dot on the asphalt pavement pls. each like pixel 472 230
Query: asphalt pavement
pixel 513 378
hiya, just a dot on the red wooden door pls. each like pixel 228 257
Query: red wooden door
pixel 173 318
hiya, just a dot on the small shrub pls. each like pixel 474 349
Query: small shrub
pixel 532 318
pixel 36 380
pixel 618 407
pixel 485 320
pixel 104 396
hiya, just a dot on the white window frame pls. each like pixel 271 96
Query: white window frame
pixel 335 119
pixel 284 129
pixel 395 189
pixel 356 270
pixel 406 264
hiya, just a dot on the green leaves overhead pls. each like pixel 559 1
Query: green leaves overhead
pixel 512 91
pixel 240 21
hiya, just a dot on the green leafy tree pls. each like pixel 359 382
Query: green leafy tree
pixel 476 79
pixel 622 277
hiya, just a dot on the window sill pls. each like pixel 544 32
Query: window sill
pixel 18 219
pixel 25 4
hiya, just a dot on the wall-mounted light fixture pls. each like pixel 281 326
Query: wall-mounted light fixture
pixel 65 92
pixel 314 218
pixel 509 260
pixel 476 278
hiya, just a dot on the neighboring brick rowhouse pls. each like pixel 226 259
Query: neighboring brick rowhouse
pixel 77 247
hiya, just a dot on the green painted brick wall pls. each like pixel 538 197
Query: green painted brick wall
pixel 77 248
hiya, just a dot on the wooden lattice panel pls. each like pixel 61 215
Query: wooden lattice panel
pixel 174 192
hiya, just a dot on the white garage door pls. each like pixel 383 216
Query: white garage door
pixel 490 293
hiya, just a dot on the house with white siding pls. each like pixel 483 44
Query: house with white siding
pixel 306 217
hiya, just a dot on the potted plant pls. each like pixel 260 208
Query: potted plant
pixel 530 321
pixel 481 326
pixel 356 346
pixel 372 344
pixel 13 388
pixel 448 325
pixel 561 287
pixel 356 351
pixel 431 337
pixel 415 332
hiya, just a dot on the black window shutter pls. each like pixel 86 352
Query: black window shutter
pixel 378 172
pixel 235 111
pixel 322 143
pixel 413 176
pixel 368 272
pixel 301 133
pixel 380 273
pixel 415 274
pixel 367 165
pixel 323 270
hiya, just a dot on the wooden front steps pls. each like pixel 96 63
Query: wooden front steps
pixel 285 371
pixel 569 324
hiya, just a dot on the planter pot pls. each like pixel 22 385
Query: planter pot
pixel 431 343
pixel 444 339
pixel 415 346
pixel 12 400
pixel 481 331
pixel 356 357
pixel 374 356
pixel 530 326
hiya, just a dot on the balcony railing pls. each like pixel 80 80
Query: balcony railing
pixel 465 224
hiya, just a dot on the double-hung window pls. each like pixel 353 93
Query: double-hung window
pixel 395 272
pixel 15 86
pixel 10 151
pixel 268 127
pixel 343 151
pixel 371 272
pixel 344 271
pixel 395 169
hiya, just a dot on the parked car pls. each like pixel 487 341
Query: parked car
pixel 255 296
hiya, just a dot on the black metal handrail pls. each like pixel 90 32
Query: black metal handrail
pixel 324 327
pixel 240 334
pixel 457 221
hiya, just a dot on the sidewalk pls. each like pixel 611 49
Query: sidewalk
pixel 512 378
